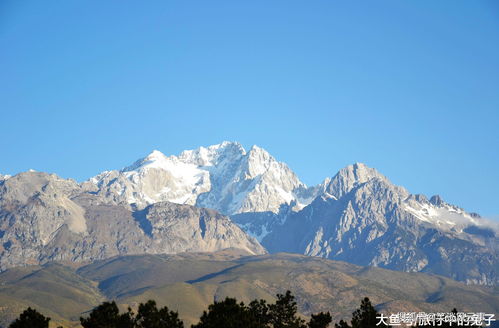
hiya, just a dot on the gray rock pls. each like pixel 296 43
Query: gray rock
pixel 357 216
pixel 45 218
pixel 364 219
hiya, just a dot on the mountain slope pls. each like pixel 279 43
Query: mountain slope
pixel 189 282
pixel 54 290
pixel 45 218
pixel 362 218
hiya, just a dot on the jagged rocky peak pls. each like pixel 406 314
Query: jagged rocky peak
pixel 25 185
pixel 349 177
pixel 261 163
pixel 4 177
pixel 420 198
pixel 38 204
pixel 374 222
pixel 437 200
pixel 252 181
pixel 183 228
pixel 259 155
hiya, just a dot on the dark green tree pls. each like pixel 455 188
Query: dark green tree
pixel 259 314
pixel 259 310
pixel 320 320
pixel 227 314
pixel 364 317
pixel 342 324
pixel 283 312
pixel 30 318
pixel 107 315
pixel 148 316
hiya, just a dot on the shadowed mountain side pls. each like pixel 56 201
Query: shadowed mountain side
pixel 129 275
pixel 190 282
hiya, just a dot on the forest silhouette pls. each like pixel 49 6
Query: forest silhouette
pixel 228 313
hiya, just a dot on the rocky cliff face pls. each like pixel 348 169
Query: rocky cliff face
pixel 362 218
pixel 45 218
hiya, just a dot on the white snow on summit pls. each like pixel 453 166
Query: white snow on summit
pixel 224 176
pixel 232 180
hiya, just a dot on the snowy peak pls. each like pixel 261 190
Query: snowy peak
pixel 251 181
pixel 443 216
pixel 232 180
pixel 202 156
pixel 259 161
pixel 154 159
pixel 212 155
pixel 358 215
pixel 224 177
pixel 155 155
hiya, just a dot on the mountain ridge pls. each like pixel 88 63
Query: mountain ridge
pixel 225 177
pixel 357 215
pixel 45 218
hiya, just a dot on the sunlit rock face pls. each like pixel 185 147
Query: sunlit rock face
pixel 361 217
pixel 45 218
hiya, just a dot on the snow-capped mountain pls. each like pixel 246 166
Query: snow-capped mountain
pixel 357 216
pixel 224 177
pixel 361 217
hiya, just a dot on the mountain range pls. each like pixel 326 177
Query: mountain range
pixel 223 196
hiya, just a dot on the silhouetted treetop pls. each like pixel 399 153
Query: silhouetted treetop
pixel 30 318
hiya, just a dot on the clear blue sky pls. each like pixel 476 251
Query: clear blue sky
pixel 408 87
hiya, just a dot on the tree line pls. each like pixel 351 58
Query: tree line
pixel 228 313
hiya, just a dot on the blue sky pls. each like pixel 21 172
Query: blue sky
pixel 408 87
